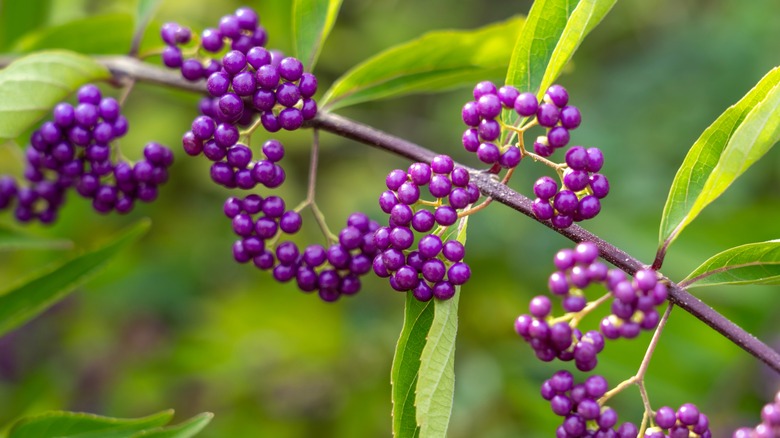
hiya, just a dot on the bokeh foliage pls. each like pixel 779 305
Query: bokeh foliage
pixel 174 322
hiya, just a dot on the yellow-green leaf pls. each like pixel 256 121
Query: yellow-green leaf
pixel 31 86
pixel 436 61
pixel 312 21
pixel 436 381
pixel 728 147
pixel 23 301
pixel 754 263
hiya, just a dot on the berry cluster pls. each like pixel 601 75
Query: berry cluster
pixel 246 82
pixel 582 187
pixel 332 272
pixel 435 268
pixel 558 339
pixel 250 86
pixel 633 307
pixel 74 150
pixel 578 404
pixel 484 130
pixel 579 196
pixel 241 30
pixel 554 114
pixel 770 423
pixel 634 304
pixel 687 421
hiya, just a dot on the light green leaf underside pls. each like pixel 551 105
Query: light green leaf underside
pixel 434 62
pixel 31 86
pixel 312 21
pixel 436 381
pixel 418 317
pixel 754 263
pixel 23 301
pixel 736 140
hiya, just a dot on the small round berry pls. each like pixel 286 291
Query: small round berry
pixel 445 215
pixel 420 173
pixel 470 139
pixel 243 83
pixel 258 57
pixel 423 221
pixel 287 94
pixel 443 290
pixel 588 207
pixel 483 88
pixel 557 95
pixel 470 114
pixel 290 119
pixel 172 57
pixel 562 220
pixel 401 214
pixel 489 106
pixel 575 180
pixel 542 148
pixel 558 137
pixel 565 202
pixel 508 95
pixel 267 77
pixel 599 185
pixel 488 153
pixel 540 306
pixel 308 85
pixel 595 160
pixel 489 130
pixel 526 104
pixel 510 158
pixel 440 186
pixel 442 164
pixel 545 187
pixel 570 117
pixel 290 69
pixel 547 115
pixel 192 69
pixel 422 292
pixel 542 209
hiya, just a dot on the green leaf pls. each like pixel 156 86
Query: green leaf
pixel 18 18
pixel 185 429
pixel 736 140
pixel 436 381
pixel 11 239
pixel 418 317
pixel 29 298
pixel 434 62
pixel 31 86
pixel 583 19
pixel 754 263
pixel 536 43
pixel 62 424
pixel 115 31
pixel 312 21
pixel 144 11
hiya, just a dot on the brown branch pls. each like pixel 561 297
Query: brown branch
pixel 126 68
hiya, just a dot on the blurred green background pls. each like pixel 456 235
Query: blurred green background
pixel 175 323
